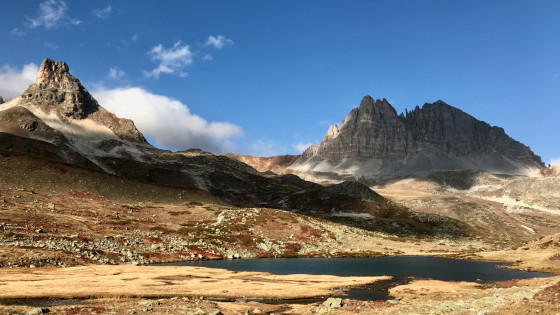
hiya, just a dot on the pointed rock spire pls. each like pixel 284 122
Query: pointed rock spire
pixel 55 74
pixel 58 91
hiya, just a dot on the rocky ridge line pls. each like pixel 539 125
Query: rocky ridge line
pixel 374 131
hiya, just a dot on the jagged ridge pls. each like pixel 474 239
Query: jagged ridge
pixel 375 131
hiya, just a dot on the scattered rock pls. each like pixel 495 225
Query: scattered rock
pixel 39 310
pixel 333 302
pixel 199 311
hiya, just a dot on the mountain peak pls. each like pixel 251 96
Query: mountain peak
pixel 367 101
pixel 436 137
pixel 56 74
pixel 369 106
pixel 58 92
pixel 56 89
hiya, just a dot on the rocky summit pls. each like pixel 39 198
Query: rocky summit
pixel 57 91
pixel 374 140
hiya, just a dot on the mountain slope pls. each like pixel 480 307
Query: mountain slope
pixel 57 118
pixel 375 141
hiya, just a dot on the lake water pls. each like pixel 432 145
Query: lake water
pixel 400 267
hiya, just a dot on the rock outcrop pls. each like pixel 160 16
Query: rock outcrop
pixel 374 140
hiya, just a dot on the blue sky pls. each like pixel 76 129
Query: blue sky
pixel 267 77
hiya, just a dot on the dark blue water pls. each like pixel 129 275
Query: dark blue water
pixel 401 267
pixel 436 268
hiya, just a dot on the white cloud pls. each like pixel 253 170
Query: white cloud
pixel 115 74
pixel 14 82
pixel 300 147
pixel 554 162
pixel 17 32
pixel 52 13
pixel 207 57
pixel 135 37
pixel 171 60
pixel 103 13
pixel 218 42
pixel 168 121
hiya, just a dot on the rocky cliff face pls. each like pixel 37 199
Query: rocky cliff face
pixel 375 140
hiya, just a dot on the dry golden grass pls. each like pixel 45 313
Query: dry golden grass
pixel 539 255
pixel 165 281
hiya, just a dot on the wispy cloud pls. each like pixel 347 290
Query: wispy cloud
pixel 52 13
pixel 171 60
pixel 218 41
pixel 50 45
pixel 325 122
pixel 554 162
pixel 168 121
pixel 103 13
pixel 115 74
pixel 300 147
pixel 13 81
pixel 175 59
pixel 135 37
pixel 16 32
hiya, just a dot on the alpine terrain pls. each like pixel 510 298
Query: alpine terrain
pixel 87 206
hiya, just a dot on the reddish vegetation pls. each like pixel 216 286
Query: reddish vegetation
pixel 508 284
pixel 554 257
pixel 550 294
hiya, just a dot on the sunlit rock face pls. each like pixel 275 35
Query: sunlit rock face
pixel 375 140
